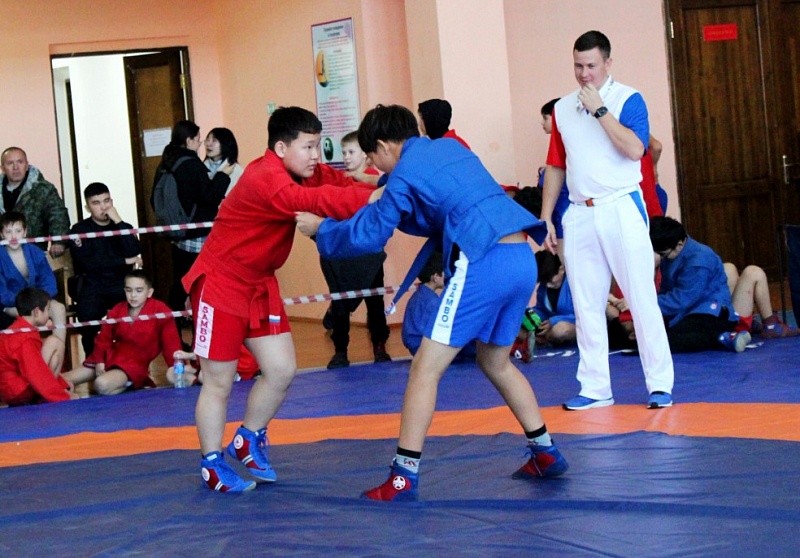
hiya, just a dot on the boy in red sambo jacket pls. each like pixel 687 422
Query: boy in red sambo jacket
pixel 25 377
pixel 123 351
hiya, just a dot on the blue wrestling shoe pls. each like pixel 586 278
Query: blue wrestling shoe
pixel 401 486
pixel 251 449
pixel 545 461
pixel 659 400
pixel 218 475
pixel 735 341
pixel 581 403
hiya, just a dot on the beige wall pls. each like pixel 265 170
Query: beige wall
pixel 265 57
pixel 497 61
pixel 32 30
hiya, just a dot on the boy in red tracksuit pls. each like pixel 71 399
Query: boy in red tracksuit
pixel 235 295
pixel 123 351
pixel 25 377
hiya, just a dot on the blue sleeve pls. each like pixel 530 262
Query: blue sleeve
pixel 634 117
pixel 689 289
pixel 418 312
pixel 369 229
pixel 541 302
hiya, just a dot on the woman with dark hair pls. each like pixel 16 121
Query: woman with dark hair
pixel 222 149
pixel 195 189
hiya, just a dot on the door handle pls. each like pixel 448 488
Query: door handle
pixel 788 175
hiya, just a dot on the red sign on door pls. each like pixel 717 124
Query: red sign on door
pixel 721 32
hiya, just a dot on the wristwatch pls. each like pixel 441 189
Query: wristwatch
pixel 599 113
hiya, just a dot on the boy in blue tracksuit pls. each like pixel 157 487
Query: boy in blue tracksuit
pixel 423 306
pixel 440 190
pixel 694 297
pixel 554 301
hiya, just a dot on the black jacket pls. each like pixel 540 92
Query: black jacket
pixel 194 186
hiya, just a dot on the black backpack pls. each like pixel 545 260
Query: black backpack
pixel 167 205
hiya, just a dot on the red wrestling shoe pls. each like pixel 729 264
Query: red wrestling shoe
pixel 401 486
pixel 545 461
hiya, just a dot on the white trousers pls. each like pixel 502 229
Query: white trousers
pixel 612 239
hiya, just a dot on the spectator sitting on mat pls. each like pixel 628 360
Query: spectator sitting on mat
pixel 24 265
pixel 26 374
pixel 123 351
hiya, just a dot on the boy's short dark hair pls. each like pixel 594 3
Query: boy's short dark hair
pixel 286 123
pixel 530 198
pixel 549 106
pixel 386 123
pixel 593 39
pixel 11 217
pixel 350 137
pixel 95 189
pixel 432 267
pixel 548 264
pixel 665 233
pixel 30 298
pixel 139 274
pixel 436 115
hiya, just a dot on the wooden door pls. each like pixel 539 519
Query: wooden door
pixel 788 78
pixel 158 96
pixel 730 109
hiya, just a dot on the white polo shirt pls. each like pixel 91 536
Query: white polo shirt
pixel 578 143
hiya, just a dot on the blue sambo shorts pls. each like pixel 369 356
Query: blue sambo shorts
pixel 486 299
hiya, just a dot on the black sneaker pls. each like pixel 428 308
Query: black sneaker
pixel 339 360
pixel 379 350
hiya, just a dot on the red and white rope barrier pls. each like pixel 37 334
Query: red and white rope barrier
pixel 118 232
pixel 363 293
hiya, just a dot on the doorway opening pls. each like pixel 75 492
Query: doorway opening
pixel 114 111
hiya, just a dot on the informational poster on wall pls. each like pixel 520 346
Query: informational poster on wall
pixel 336 84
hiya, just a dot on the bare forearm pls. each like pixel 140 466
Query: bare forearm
pixel 553 181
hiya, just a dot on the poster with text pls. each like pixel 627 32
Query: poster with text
pixel 336 85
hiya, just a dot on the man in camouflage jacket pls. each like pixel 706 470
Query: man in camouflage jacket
pixel 24 189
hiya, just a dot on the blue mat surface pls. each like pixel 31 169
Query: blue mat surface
pixel 767 373
pixel 633 494
pixel 640 494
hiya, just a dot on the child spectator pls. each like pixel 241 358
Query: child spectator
pixel 25 377
pixel 554 301
pixel 356 162
pixel 423 305
pixel 352 274
pixel 123 351
pixel 693 296
pixel 750 290
pixel 552 320
pixel 25 265
pixel 100 263
pixel 562 203
pixel 434 120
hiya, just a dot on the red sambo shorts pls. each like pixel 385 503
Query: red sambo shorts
pixel 219 335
